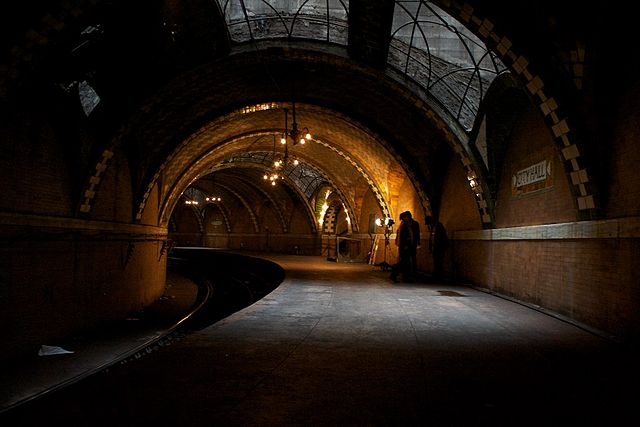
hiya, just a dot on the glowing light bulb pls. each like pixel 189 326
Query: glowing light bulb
pixel 302 141
pixel 273 183
pixel 308 136
pixel 283 141
pixel 296 162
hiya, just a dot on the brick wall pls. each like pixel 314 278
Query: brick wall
pixel 369 205
pixel 150 213
pixel 458 209
pixel 59 274
pixel 114 200
pixel 529 144
pixel 592 280
pixel 61 280
pixel 583 270
pixel 623 195
pixel 298 220
pixel 186 219
pixel 33 163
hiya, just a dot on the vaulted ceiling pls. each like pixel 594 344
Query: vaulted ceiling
pixel 181 98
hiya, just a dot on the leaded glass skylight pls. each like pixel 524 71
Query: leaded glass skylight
pixel 263 19
pixel 306 178
pixel 443 57
pixel 88 97
pixel 192 195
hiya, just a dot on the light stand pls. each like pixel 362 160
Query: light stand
pixel 388 231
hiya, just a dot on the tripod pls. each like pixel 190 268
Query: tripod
pixel 384 265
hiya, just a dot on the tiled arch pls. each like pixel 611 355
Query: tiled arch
pixel 556 120
pixel 223 212
pixel 371 179
pixel 283 222
pixel 168 205
pixel 246 204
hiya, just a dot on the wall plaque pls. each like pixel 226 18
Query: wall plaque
pixel 533 178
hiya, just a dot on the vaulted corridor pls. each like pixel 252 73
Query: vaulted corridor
pixel 304 130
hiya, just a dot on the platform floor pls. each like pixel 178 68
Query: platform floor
pixel 340 344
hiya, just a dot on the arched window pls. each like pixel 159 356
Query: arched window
pixel 264 19
pixel 443 57
pixel 89 98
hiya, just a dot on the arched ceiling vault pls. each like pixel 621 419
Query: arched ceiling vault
pixel 190 101
pixel 246 202
pixel 243 180
pixel 239 178
pixel 199 193
pixel 340 149
pixel 188 112
pixel 252 175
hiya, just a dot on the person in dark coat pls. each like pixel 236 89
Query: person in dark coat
pixel 407 241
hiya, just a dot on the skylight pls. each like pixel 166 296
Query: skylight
pixel 443 57
pixel 264 19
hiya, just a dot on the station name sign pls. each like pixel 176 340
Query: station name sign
pixel 533 178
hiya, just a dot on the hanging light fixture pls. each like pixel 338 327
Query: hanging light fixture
pixel 294 136
pixel 297 136
pixel 272 174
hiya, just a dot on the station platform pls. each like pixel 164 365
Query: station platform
pixel 340 344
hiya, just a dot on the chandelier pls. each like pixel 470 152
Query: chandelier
pixel 294 136
pixel 208 199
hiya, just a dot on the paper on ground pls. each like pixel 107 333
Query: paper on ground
pixel 47 350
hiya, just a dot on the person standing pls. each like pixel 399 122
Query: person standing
pixel 407 241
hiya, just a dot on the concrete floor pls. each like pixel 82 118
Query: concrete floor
pixel 340 344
